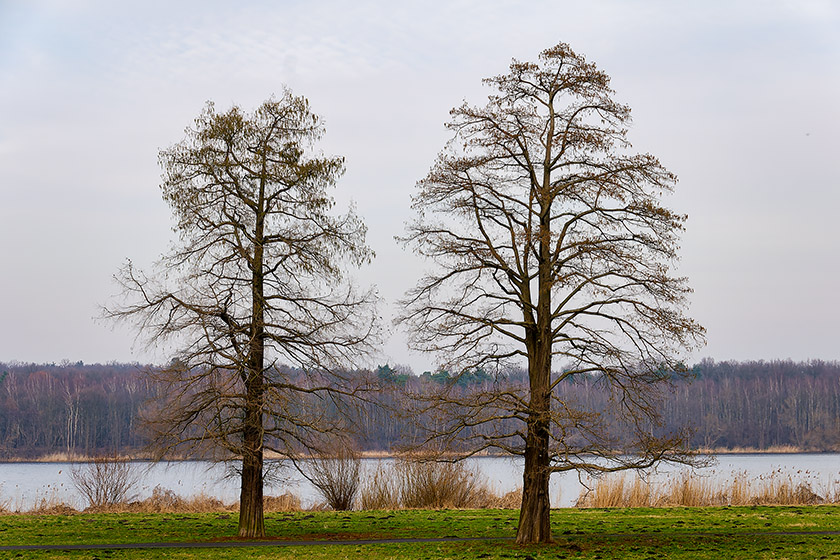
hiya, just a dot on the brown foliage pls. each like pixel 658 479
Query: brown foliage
pixel 284 502
pixel 379 491
pixel 257 278
pixel 437 485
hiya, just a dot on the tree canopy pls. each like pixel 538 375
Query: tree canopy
pixel 552 247
pixel 258 278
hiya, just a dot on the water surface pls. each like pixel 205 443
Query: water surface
pixel 22 485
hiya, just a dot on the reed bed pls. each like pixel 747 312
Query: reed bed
pixel 428 484
pixel 412 483
pixel 691 490
pixel 161 501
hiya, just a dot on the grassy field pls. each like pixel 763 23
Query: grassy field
pixel 718 533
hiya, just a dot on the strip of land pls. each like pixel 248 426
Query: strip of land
pixel 712 533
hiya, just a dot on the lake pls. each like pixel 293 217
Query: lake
pixel 24 484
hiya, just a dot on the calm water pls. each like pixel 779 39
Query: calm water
pixel 24 484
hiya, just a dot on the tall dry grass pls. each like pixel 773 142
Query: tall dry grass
pixel 690 490
pixel 436 485
pixel 284 502
pixel 164 500
pixel 4 503
pixel 47 502
pixel 418 483
pixel 378 492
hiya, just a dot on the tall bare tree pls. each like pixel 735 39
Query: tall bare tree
pixel 258 279
pixel 552 247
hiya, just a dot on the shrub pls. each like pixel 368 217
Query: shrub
pixel 509 500
pixel 687 489
pixel 615 491
pixel 435 484
pixel 105 481
pixel 336 476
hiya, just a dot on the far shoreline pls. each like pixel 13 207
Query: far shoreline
pixel 63 458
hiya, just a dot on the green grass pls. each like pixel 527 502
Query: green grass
pixel 715 533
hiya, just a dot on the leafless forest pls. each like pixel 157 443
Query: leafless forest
pixel 80 409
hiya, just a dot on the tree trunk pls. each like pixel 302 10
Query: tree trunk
pixel 251 522
pixel 534 514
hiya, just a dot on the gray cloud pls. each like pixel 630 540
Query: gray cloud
pixel 737 98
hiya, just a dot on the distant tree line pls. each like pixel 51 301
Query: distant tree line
pixel 70 409
pixel 94 409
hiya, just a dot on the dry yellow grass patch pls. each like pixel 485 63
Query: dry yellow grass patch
pixel 687 489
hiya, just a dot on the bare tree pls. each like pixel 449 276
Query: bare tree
pixel 552 247
pixel 258 279
pixel 105 481
pixel 335 472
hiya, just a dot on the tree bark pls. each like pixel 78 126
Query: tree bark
pixel 534 516
pixel 535 513
pixel 251 522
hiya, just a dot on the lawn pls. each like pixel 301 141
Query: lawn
pixel 716 533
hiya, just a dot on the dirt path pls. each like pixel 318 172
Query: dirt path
pixel 243 544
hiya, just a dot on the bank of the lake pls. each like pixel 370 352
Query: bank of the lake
pixel 24 484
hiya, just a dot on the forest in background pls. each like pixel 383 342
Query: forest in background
pixel 78 409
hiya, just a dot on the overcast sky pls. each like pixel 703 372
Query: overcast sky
pixel 741 99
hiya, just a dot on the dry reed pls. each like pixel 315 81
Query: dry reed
pixel 47 503
pixel 283 502
pixel 436 485
pixel 616 491
pixel 687 489
pixel 4 504
pixel 509 500
pixel 378 491
pixel 415 483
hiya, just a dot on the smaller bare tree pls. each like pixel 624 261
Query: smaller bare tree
pixel 336 474
pixel 105 481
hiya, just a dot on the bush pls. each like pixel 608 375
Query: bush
pixel 509 500
pixel 336 476
pixel 105 481
pixel 164 500
pixel 689 490
pixel 420 483
pixel 433 484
